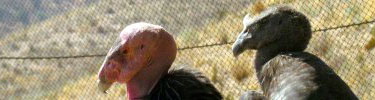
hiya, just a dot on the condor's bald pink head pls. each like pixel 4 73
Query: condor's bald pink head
pixel 140 56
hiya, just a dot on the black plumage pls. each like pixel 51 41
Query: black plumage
pixel 184 84
pixel 300 76
pixel 285 72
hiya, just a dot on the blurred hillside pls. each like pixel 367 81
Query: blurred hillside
pixel 15 14
pixel 92 30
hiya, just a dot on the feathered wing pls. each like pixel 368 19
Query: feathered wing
pixel 184 84
pixel 302 76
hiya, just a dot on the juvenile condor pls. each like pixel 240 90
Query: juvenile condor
pixel 141 58
pixel 280 35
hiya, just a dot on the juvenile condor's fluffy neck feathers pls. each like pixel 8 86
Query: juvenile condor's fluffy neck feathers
pixel 265 54
pixel 184 84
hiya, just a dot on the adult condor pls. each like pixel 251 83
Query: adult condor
pixel 141 58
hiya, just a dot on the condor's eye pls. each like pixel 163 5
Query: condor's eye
pixel 125 51
pixel 248 30
pixel 141 47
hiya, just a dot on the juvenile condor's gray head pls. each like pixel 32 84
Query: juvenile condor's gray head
pixel 280 27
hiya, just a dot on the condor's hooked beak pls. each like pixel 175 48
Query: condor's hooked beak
pixel 109 70
pixel 103 83
pixel 238 46
pixel 104 86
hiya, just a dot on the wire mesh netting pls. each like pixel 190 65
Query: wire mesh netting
pixel 59 54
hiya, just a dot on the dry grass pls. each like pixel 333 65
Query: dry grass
pixel 257 7
pixel 342 49
pixel 371 44
pixel 75 90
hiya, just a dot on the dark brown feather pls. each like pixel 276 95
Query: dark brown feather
pixel 184 84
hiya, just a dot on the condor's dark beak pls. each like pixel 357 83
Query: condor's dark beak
pixel 238 46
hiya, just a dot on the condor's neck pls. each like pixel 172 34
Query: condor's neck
pixel 139 87
pixel 264 54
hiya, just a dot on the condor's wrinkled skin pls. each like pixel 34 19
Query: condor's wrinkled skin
pixel 285 72
pixel 141 58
